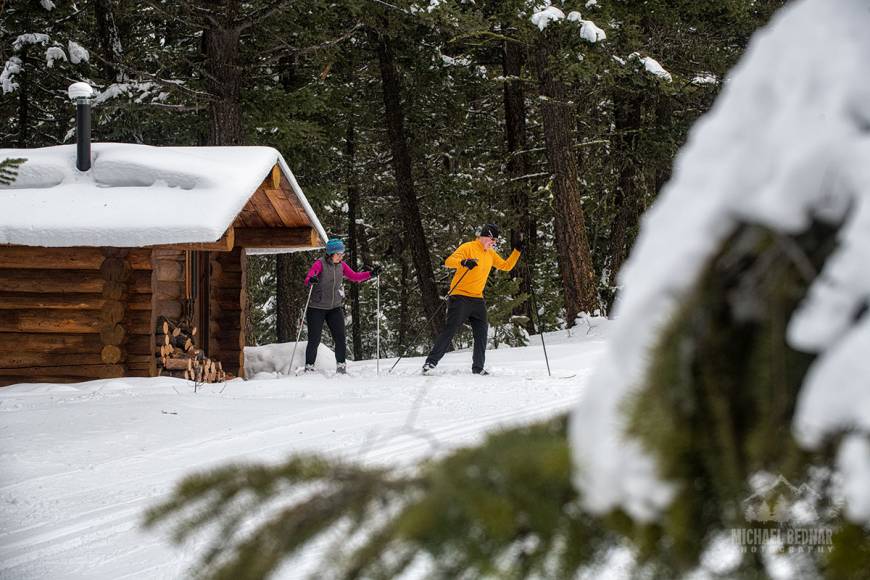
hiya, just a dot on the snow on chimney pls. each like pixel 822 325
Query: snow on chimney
pixel 81 94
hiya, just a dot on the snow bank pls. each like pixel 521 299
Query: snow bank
pixel 787 141
pixel 131 195
pixel 270 361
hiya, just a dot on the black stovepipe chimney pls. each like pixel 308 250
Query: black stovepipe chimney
pixel 81 94
pixel 83 136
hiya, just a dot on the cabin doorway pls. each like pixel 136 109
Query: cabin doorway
pixel 196 294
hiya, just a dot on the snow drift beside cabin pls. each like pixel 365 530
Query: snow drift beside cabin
pixel 273 361
pixel 134 195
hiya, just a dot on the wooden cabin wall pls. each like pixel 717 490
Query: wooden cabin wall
pixel 168 283
pixel 74 314
pixel 227 308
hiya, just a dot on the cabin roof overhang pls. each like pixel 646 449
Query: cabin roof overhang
pixel 139 196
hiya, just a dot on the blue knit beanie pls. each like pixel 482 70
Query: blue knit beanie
pixel 334 246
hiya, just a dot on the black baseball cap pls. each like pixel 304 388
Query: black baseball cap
pixel 490 231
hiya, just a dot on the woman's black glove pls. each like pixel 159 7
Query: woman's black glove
pixel 520 246
pixel 469 263
pixel 313 280
pixel 375 271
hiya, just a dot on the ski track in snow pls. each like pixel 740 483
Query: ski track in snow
pixel 78 467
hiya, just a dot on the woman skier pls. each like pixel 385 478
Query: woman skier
pixel 328 274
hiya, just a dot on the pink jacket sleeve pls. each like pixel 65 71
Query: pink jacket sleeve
pixel 354 276
pixel 315 270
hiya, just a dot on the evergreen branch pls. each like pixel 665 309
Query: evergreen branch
pixel 261 14
pixel 186 22
pixel 283 45
pixel 208 15
pixel 155 78
pixel 179 108
pixel 486 34
pixel 502 508
pixel 391 6
pixel 78 9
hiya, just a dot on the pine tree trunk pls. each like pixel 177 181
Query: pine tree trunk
pixel 110 39
pixel 572 244
pixel 515 132
pixel 401 161
pixel 664 121
pixel 352 208
pixel 403 304
pixel 627 108
pixel 23 100
pixel 286 317
pixel 223 74
pixel 291 293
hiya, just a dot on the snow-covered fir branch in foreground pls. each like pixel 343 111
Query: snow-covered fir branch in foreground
pixel 785 148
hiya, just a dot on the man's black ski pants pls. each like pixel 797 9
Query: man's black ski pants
pixel 460 309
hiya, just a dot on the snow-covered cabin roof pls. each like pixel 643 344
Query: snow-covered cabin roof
pixel 136 195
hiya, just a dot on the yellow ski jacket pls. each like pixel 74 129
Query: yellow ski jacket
pixel 475 280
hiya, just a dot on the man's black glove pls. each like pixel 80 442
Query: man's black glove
pixel 375 271
pixel 520 246
pixel 313 280
pixel 469 263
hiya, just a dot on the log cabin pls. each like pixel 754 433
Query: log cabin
pixel 100 257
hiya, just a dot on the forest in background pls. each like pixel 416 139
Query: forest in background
pixel 407 124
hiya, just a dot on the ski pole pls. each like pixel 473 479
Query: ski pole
pixel 301 320
pixel 429 321
pixel 538 324
pixel 378 341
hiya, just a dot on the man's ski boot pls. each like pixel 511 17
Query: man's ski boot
pixel 341 369
pixel 428 368
pixel 310 369
pixel 481 372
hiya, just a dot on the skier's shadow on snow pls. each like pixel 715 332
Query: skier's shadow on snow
pixel 408 429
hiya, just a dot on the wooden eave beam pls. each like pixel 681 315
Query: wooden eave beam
pixel 275 237
pixel 226 243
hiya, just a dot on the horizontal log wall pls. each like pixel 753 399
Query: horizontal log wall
pixel 168 283
pixel 74 314
pixel 227 309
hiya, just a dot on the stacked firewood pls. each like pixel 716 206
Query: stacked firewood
pixel 179 356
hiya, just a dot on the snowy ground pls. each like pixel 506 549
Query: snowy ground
pixel 80 463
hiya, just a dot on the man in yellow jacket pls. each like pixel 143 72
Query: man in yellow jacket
pixel 472 262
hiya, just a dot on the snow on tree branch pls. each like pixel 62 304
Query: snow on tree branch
pixel 786 144
pixel 589 31
pixel 10 69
